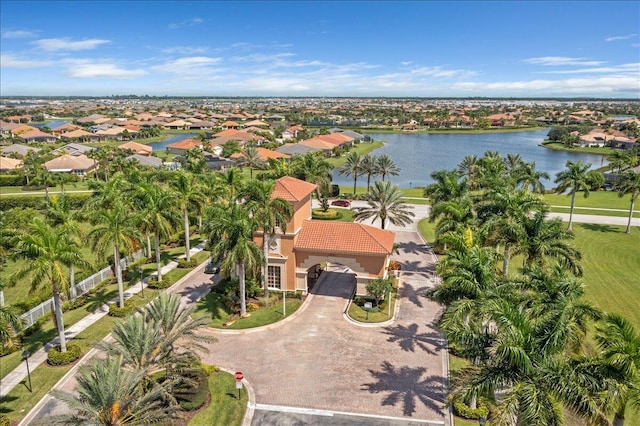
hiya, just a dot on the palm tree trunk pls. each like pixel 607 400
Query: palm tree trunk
pixel 148 245
pixel 618 419
pixel 633 200
pixel 72 283
pixel 46 192
pixel 57 307
pixel 355 179
pixel 1 298
pixel 368 181
pixel 505 261
pixel 243 302
pixel 118 271
pixel 200 222
pixel 573 201
pixel 187 243
pixel 157 238
pixel 265 271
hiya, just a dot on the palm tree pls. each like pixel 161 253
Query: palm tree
pixel 110 395
pixel 369 168
pixel 620 346
pixel 629 183
pixel 313 168
pixel 50 252
pixel 447 187
pixel 231 238
pixel 270 213
pixel 10 325
pixel 468 168
pixel 157 207
pixel 115 229
pixel 574 179
pixel 352 167
pixel 529 178
pixel 384 202
pixel 386 166
pixel 252 159
pixel 188 192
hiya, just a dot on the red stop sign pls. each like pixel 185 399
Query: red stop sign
pixel 239 376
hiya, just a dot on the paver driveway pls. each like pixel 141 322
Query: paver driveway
pixel 322 361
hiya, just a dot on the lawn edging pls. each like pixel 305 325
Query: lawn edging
pixel 394 317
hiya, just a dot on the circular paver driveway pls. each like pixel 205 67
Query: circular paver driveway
pixel 321 361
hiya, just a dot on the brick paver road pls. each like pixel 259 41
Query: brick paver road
pixel 321 361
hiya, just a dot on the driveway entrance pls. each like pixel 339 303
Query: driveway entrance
pixel 320 361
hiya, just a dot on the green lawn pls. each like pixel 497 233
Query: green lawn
pixel 361 148
pixel 211 306
pixel 377 314
pixel 225 407
pixel 598 199
pixel 69 187
pixel 557 146
pixel 595 212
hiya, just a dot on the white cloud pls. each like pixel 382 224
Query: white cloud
pixel 185 50
pixel 561 60
pixel 194 68
pixel 9 61
pixel 187 23
pixel 624 37
pixel 53 44
pixel 18 34
pixel 102 70
pixel 624 68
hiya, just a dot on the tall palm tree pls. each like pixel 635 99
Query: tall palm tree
pixel 189 194
pixel 574 179
pixel 352 167
pixel 50 252
pixel 447 187
pixel 313 168
pixel 10 325
pixel 231 238
pixel 157 207
pixel 387 167
pixel 385 203
pixel 529 178
pixel 453 216
pixel 115 229
pixel 468 168
pixel 369 168
pixel 620 346
pixel 110 395
pixel 252 159
pixel 629 183
pixel 270 213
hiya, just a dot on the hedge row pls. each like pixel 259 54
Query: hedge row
pixel 55 357
pixel 196 395
pixel 76 200
pixel 118 312
pixel 12 180
pixel 461 409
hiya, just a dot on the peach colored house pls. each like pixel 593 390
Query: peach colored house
pixel 295 256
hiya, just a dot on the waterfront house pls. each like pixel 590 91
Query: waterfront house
pixel 137 148
pixel 79 165
pixel 183 146
pixel 38 136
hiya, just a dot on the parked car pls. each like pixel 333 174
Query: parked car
pixel 341 203
pixel 211 268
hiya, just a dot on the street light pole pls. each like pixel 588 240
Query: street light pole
pixel 25 357
pixel 142 282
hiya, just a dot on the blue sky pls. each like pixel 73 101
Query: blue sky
pixel 288 48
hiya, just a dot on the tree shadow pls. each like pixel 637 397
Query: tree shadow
pixel 411 247
pixel 599 227
pixel 408 338
pixel 405 385
pixel 413 295
pixel 100 298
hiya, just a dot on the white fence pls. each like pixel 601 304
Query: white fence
pixel 29 318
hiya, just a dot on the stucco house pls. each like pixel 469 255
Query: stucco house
pixel 80 165
pixel 295 257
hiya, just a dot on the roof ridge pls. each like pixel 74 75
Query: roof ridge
pixel 366 229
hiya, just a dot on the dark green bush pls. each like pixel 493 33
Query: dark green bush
pixel 118 312
pixel 12 180
pixel 77 200
pixel 194 395
pixel 55 357
pixel 74 304
pixel 153 283
pixel 183 263
pixel 461 409
pixel 37 326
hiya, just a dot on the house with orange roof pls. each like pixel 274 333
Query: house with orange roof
pixel 137 148
pixel 230 125
pixel 183 146
pixel 80 165
pixel 264 154
pixel 68 127
pixel 239 135
pixel 296 255
pixel 80 135
pixel 9 164
pixel 319 144
pixel 37 135
pixel 337 138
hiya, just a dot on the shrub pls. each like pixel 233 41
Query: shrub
pixel 55 357
pixel 37 326
pixel 194 395
pixel 12 180
pixel 183 263
pixel 394 265
pixel 153 283
pixel 76 200
pixel 4 420
pixel 379 288
pixel 209 369
pixel 118 312
pixel 461 409
pixel 74 304
pixel 330 214
pixel 252 307
pixel 252 289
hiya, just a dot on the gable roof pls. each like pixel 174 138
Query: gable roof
pixel 291 189
pixel 73 149
pixel 295 148
pixel 36 134
pixel 19 149
pixel 136 147
pixel 78 133
pixel 7 163
pixel 186 144
pixel 344 237
pixel 318 144
pixel 69 162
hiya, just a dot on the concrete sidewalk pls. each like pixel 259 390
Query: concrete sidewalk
pixel 19 374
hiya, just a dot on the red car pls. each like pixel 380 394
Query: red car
pixel 341 203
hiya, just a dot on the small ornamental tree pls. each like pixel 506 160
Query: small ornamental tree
pixel 379 288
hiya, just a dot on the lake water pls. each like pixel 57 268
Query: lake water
pixel 160 146
pixel 52 124
pixel 419 154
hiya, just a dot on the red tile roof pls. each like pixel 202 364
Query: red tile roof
pixel 186 144
pixel 291 189
pixel 344 237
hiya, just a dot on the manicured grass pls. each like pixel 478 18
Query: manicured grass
pixel 343 214
pixel 416 200
pixel 598 199
pixel 595 212
pixel 361 148
pixel 557 146
pixel 212 305
pixel 225 407
pixel 377 314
